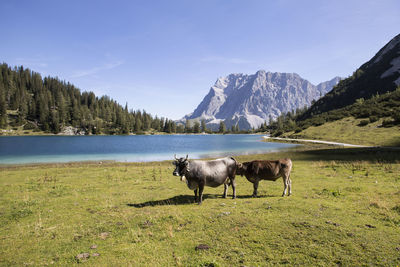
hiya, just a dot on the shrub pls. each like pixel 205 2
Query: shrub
pixel 29 126
pixel 396 116
pixel 363 123
pixel 373 119
pixel 277 133
pixel 298 130
pixel 387 123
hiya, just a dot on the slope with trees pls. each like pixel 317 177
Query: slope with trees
pixel 49 104
pixel 372 93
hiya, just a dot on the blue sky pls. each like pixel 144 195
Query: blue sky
pixel 163 56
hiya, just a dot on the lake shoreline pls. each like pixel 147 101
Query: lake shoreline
pixel 5 133
pixel 35 150
pixel 114 162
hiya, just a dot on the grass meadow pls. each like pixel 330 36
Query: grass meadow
pixel 349 130
pixel 344 211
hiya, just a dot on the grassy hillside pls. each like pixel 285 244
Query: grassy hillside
pixel 345 210
pixel 350 130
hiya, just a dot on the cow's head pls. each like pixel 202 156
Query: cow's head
pixel 181 166
pixel 241 168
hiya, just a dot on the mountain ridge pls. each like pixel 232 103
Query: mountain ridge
pixel 250 100
pixel 379 75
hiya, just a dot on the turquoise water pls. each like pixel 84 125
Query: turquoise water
pixel 46 149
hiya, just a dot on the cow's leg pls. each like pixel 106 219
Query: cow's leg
pixel 285 183
pixel 290 185
pixel 233 188
pixel 225 190
pixel 201 188
pixel 195 195
pixel 255 187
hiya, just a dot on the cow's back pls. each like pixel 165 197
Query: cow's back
pixel 269 169
pixel 215 172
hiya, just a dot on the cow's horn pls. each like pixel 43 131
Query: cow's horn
pixel 187 156
pixel 175 157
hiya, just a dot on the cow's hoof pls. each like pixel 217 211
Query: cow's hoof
pixel 224 196
pixel 233 197
pixel 199 203
pixel 253 195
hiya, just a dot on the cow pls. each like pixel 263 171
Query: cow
pixel 270 170
pixel 198 174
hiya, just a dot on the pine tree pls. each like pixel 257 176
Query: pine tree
pixel 22 112
pixel 3 105
pixel 55 125
pixel 188 128
pixel 167 126
pixel 203 126
pixel 180 128
pixel 222 127
pixel 138 125
pixel 173 127
pixel 196 127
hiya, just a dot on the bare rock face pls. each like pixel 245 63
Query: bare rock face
pixel 69 130
pixel 250 100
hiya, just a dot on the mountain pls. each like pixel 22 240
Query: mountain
pixel 250 100
pixel 379 75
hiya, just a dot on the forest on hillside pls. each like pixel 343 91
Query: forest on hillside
pixel 385 106
pixel 49 104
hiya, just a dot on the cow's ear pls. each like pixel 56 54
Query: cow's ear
pixel 174 163
pixel 186 163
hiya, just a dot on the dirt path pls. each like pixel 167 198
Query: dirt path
pixel 313 141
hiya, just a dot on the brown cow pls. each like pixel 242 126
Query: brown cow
pixel 270 170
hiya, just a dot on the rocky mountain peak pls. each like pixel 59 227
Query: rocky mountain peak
pixel 249 100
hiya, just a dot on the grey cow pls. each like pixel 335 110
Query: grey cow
pixel 206 173
pixel 271 170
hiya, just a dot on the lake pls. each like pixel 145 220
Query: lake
pixel 137 148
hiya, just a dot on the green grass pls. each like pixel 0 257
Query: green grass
pixel 347 131
pixel 345 210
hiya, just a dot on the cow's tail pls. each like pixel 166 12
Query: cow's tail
pixel 236 165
